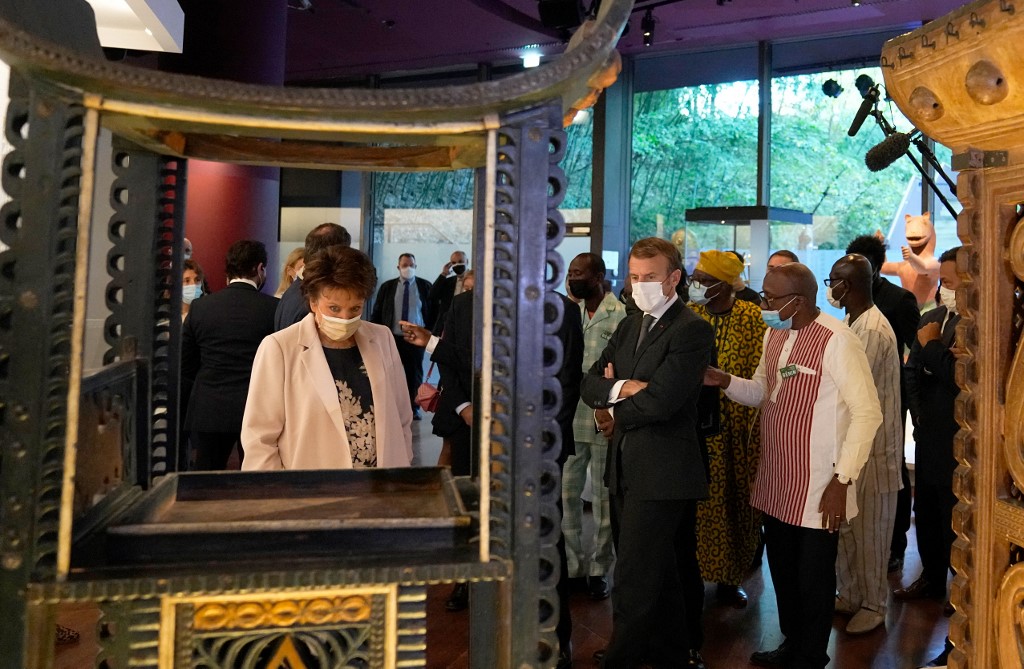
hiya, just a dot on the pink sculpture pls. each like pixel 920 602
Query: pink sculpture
pixel 919 270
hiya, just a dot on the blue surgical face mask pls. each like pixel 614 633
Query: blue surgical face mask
pixel 772 319
pixel 189 293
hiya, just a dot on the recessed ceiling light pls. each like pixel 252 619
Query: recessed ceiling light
pixel 531 59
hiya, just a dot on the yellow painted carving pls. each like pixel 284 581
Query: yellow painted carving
pixel 1013 442
pixel 1010 617
pixel 219 615
pixel 286 657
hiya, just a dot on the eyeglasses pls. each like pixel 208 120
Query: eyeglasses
pixel 770 300
pixel 706 284
pixel 831 282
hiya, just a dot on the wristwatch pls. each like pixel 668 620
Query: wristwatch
pixel 845 480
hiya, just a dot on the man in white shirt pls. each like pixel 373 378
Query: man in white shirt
pixel 819 416
pixel 864 542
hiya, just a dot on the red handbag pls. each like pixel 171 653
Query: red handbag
pixel 427 395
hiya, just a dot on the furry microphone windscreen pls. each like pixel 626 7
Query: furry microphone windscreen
pixel 887 152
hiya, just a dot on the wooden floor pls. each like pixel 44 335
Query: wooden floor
pixel 913 633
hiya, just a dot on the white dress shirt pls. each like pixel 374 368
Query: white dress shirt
pixel 819 416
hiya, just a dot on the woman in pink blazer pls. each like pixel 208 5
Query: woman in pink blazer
pixel 329 392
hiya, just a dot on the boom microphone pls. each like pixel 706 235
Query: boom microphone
pixel 887 152
pixel 870 98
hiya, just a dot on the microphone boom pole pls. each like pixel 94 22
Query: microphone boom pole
pixel 888 130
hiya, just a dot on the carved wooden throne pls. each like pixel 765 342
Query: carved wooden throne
pixel 82 459
pixel 957 80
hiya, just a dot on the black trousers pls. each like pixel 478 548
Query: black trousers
pixel 463 462
pixel 904 498
pixel 904 501
pixel 802 562
pixel 658 592
pixel 212 449
pixel 412 362
pixel 933 509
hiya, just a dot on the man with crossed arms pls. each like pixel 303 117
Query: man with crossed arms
pixel 819 416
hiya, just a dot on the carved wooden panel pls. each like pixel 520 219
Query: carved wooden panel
pixel 959 80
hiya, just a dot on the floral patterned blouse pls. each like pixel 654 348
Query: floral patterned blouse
pixel 356 399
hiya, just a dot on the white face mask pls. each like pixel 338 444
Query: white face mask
pixel 831 296
pixel 189 293
pixel 298 273
pixel 338 329
pixel 948 297
pixel 408 272
pixel 698 292
pixel 648 295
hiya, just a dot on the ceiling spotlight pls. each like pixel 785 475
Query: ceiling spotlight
pixel 831 88
pixel 531 59
pixel 647 26
pixel 855 3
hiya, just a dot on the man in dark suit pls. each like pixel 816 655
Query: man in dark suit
pixel 570 333
pixel 293 305
pixel 405 299
pixel 650 377
pixel 218 344
pixel 454 354
pixel 454 357
pixel 449 283
pixel 899 306
pixel 931 384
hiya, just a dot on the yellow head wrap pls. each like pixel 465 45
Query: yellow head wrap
pixel 722 265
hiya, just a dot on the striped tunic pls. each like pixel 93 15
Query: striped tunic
pixel 818 420
pixel 879 340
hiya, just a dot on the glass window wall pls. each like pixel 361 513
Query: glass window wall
pixel 693 147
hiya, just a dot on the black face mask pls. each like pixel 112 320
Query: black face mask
pixel 581 289
pixel 459 268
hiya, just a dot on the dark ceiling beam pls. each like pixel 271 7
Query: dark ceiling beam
pixel 512 15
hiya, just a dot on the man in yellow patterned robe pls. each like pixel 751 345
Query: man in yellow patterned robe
pixel 728 528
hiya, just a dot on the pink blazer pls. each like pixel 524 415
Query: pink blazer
pixel 292 416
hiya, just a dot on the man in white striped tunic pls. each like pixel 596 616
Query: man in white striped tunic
pixel 864 542
pixel 819 416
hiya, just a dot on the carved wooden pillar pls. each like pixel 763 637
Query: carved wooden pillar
pixel 959 80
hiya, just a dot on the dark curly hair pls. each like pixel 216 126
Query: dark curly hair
pixel 339 267
pixel 871 247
